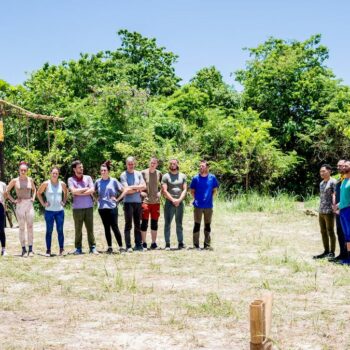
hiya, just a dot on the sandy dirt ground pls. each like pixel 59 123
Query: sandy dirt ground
pixel 184 299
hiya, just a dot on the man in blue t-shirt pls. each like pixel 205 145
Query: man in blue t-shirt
pixel 203 188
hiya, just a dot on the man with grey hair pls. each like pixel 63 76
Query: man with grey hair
pixel 134 184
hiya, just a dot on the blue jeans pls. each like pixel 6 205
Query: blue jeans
pixel 169 212
pixel 341 238
pixel 50 218
pixel 345 222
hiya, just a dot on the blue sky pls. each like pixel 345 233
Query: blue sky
pixel 201 32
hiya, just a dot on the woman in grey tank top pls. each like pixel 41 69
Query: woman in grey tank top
pixel 55 200
pixel 25 196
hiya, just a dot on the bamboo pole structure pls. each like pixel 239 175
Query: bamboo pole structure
pixel 257 322
pixel 23 112
pixel 268 299
pixel 7 108
pixel 260 323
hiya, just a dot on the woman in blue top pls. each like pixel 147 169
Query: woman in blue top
pixel 107 189
pixel 55 199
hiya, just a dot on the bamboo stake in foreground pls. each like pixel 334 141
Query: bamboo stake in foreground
pixel 260 323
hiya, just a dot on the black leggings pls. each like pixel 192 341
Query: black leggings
pixel 2 226
pixel 110 220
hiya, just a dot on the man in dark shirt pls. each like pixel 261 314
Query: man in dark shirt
pixel 326 215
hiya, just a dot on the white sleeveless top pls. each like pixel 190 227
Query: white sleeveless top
pixel 53 196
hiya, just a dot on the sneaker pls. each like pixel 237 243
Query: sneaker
pixel 30 253
pixel 345 261
pixel 208 247
pixel 109 250
pixel 129 250
pixel 337 258
pixel 321 256
pixel 144 246
pixel 3 252
pixel 94 251
pixel 167 246
pixel 48 253
pixel 181 245
pixel 121 250
pixel 154 245
pixel 138 248
pixel 331 255
pixel 196 246
pixel 78 251
pixel 24 252
pixel 62 252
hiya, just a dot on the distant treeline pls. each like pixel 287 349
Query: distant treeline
pixel 292 115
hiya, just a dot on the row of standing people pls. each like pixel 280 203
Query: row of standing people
pixel 335 206
pixel 140 192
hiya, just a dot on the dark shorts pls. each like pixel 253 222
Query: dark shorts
pixel 199 212
pixel 152 210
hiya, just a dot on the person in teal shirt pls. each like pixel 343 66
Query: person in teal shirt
pixel 344 206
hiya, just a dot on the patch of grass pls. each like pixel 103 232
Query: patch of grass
pixel 212 306
pixel 119 284
pixel 154 266
pixel 255 202
pixel 150 309
pixel 312 202
pixel 175 321
pixel 11 306
pixel 66 289
pixel 294 264
pixel 265 284
pixel 342 280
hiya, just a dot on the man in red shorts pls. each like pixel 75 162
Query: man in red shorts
pixel 151 202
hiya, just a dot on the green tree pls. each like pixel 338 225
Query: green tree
pixel 288 83
pixel 188 103
pixel 242 151
pixel 210 81
pixel 151 67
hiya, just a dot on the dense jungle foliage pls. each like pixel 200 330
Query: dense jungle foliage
pixel 292 115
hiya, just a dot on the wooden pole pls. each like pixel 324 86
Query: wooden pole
pixel 268 298
pixel 257 322
pixel 23 112
pixel 259 328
